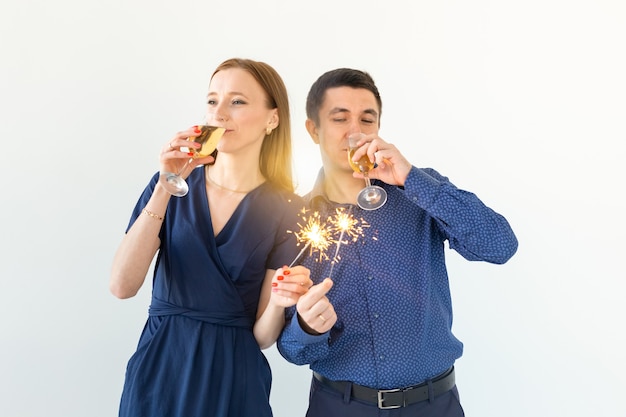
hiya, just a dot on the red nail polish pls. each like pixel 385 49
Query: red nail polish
pixel 274 284
pixel 190 153
pixel 196 129
pixel 280 277
pixel 287 272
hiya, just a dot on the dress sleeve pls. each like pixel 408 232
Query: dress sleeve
pixel 285 244
pixel 474 230
pixel 142 201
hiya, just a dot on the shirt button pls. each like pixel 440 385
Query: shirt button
pixel 381 357
pixel 370 277
pixel 375 315
pixel 414 198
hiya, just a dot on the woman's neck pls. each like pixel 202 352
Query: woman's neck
pixel 234 174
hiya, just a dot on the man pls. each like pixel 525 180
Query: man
pixel 378 336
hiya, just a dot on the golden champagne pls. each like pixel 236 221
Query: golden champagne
pixel 363 165
pixel 209 138
pixel 372 196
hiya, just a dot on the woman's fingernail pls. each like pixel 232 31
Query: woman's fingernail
pixel 280 277
pixel 196 129
pixel 274 284
pixel 287 272
pixel 190 154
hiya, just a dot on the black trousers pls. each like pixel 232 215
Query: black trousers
pixel 326 402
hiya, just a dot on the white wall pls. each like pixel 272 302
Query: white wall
pixel 520 102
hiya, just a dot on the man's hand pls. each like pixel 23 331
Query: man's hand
pixel 391 166
pixel 315 312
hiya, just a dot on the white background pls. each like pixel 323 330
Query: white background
pixel 521 102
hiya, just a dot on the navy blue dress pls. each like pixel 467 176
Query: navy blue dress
pixel 197 355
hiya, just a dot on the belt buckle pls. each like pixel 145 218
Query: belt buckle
pixel 381 399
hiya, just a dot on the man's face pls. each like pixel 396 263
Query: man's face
pixel 345 110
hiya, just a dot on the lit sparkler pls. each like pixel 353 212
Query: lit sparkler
pixel 319 236
pixel 315 236
pixel 344 222
pixel 347 226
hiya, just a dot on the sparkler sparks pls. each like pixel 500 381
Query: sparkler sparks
pixel 319 236
pixel 347 225
pixel 314 235
pixel 344 222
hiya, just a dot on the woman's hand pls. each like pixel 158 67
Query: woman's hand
pixel 176 154
pixel 288 284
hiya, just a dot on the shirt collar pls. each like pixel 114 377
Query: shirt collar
pixel 317 195
pixel 317 198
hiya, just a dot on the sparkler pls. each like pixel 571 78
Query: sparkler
pixel 320 236
pixel 317 237
pixel 347 225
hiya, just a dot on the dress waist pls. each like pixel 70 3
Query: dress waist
pixel 224 318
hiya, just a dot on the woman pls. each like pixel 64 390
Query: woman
pixel 218 293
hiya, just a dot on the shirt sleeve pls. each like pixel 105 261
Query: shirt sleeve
pixel 299 347
pixel 474 230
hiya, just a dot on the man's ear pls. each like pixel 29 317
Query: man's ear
pixel 312 129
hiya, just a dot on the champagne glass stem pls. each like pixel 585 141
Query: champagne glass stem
pixel 368 183
pixel 184 168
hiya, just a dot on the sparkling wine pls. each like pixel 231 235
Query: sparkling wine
pixel 209 138
pixel 372 196
pixel 363 165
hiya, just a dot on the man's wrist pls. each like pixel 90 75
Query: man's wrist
pixel 307 329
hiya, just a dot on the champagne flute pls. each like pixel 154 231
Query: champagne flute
pixel 372 196
pixel 209 137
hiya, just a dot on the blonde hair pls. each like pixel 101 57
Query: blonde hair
pixel 275 159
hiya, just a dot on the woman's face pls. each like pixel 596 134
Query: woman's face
pixel 239 104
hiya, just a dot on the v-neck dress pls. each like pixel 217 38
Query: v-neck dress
pixel 197 355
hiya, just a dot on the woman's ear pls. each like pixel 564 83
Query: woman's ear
pixel 274 120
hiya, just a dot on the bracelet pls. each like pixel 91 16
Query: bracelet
pixel 151 214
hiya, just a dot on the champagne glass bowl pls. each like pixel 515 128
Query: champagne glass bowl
pixel 174 183
pixel 371 197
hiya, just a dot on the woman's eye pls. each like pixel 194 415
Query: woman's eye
pixel 211 102
pixel 238 101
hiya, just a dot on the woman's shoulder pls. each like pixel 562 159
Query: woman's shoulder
pixel 290 197
pixel 279 202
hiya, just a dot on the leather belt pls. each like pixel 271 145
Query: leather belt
pixel 393 398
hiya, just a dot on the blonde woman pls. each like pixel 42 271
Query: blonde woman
pixel 219 285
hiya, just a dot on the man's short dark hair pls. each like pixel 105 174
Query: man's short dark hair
pixel 340 77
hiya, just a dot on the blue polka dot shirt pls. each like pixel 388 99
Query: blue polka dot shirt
pixel 391 291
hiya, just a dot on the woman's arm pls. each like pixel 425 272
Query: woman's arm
pixel 141 242
pixel 138 247
pixel 281 288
